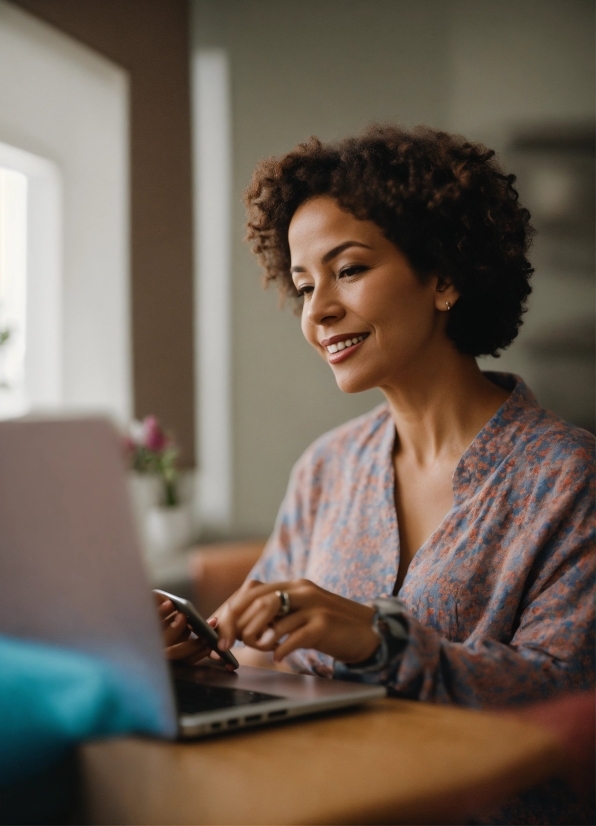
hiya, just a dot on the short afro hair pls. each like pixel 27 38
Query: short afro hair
pixel 442 200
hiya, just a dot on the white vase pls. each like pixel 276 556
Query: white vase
pixel 168 531
pixel 146 491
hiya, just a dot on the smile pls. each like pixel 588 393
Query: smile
pixel 341 347
pixel 342 344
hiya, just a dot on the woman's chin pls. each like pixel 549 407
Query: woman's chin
pixel 353 383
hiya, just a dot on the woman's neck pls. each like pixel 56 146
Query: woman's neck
pixel 441 406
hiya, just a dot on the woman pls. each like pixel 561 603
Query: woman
pixel 442 544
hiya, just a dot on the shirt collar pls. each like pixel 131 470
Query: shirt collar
pixel 497 438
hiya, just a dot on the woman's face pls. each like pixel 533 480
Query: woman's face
pixel 365 311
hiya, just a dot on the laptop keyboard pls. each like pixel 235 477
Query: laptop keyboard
pixel 192 698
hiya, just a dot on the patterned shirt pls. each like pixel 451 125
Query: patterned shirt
pixel 499 598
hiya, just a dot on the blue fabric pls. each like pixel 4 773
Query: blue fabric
pixel 51 699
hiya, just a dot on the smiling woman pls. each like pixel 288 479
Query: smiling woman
pixel 364 285
pixel 442 201
pixel 442 544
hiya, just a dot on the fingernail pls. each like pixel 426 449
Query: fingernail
pixel 267 637
pixel 223 644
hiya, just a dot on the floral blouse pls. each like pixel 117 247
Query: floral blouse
pixel 499 599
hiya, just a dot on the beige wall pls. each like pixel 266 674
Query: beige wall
pixel 299 69
pixel 328 67
pixel 529 66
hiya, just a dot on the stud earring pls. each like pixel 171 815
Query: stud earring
pixel 448 305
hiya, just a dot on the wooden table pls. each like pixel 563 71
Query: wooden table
pixel 392 761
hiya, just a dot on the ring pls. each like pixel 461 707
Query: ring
pixel 284 608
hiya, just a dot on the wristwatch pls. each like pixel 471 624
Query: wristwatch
pixel 391 625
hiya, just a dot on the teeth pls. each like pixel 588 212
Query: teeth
pixel 341 345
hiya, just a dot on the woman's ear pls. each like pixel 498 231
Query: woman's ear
pixel 445 295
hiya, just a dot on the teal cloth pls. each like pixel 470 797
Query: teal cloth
pixel 52 698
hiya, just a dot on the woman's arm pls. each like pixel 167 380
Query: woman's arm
pixel 552 649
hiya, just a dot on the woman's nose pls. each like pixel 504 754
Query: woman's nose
pixel 323 306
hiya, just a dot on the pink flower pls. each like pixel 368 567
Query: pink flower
pixel 154 437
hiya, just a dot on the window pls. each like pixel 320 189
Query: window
pixel 13 291
pixel 30 283
pixel 213 154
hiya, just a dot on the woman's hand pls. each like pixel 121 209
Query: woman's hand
pixel 179 640
pixel 317 619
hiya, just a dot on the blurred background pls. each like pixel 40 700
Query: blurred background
pixel 128 131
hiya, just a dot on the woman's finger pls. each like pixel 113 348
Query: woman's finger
pixel 257 617
pixel 193 647
pixel 175 630
pixel 163 603
pixel 261 620
pixel 303 637
pixel 237 604
pixel 165 608
pixel 205 651
pixel 270 637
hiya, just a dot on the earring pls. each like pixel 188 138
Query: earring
pixel 448 305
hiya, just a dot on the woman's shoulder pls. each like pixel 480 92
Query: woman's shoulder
pixel 543 444
pixel 536 430
pixel 549 438
pixel 559 458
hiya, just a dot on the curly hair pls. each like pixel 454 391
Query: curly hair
pixel 442 200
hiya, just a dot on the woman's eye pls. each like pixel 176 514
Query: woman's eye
pixel 306 289
pixel 355 269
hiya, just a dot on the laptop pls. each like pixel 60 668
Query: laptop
pixel 72 573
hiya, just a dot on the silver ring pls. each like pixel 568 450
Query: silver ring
pixel 284 599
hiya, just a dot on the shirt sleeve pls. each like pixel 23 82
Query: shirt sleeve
pixel 551 650
pixel 285 556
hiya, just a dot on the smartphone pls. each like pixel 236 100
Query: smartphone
pixel 199 626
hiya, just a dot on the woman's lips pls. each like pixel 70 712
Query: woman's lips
pixel 342 355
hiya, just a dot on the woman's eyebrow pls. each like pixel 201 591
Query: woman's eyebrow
pixel 329 256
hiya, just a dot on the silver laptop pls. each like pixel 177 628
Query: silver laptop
pixel 72 574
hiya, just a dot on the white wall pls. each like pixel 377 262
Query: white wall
pixel 328 67
pixel 63 102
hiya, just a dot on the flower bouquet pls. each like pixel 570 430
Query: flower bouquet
pixel 165 522
pixel 152 452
